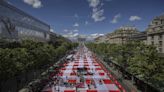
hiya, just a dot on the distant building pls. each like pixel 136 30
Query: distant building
pixel 122 35
pixel 100 39
pixel 81 38
pixel 154 35
pixel 155 32
pixel 17 25
pixel 142 36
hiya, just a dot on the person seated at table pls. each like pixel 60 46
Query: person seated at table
pixel 88 86
pixel 100 82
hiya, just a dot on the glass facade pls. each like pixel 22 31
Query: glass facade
pixel 23 32
pixel 0 27
pixel 26 25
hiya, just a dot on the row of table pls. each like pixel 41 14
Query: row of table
pixel 83 74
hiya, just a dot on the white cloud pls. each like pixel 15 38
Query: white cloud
pixel 71 35
pixel 76 16
pixel 94 3
pixel 97 11
pixel 76 25
pixel 71 31
pixel 98 15
pixel 51 30
pixel 101 34
pixel 34 3
pixel 66 35
pixel 134 18
pixel 115 19
pixel 75 30
pixel 95 35
pixel 75 34
pixel 86 22
pixel 88 37
pixel 66 30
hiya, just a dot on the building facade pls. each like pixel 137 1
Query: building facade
pixel 142 37
pixel 100 39
pixel 155 33
pixel 81 39
pixel 122 35
pixel 15 24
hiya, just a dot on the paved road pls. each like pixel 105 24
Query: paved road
pixel 84 74
pixel 127 84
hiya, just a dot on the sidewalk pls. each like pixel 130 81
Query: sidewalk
pixel 127 84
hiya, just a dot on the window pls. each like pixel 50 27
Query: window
pixel 152 43
pixel 157 28
pixel 156 23
pixel 162 21
pixel 160 43
pixel 160 50
pixel 15 15
pixel 0 28
pixel 161 27
pixel 152 37
pixel 160 37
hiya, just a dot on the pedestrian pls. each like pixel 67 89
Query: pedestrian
pixel 88 86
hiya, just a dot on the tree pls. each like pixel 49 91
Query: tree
pixel 135 57
pixel 147 65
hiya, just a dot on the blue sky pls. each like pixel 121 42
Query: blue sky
pixel 96 17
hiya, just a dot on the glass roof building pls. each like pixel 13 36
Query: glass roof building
pixel 16 24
